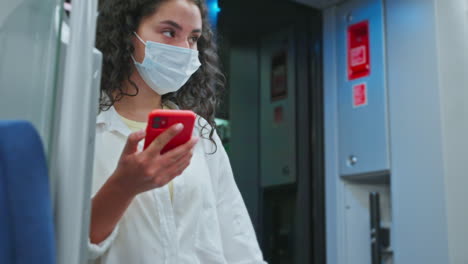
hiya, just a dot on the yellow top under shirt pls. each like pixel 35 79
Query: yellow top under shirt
pixel 135 126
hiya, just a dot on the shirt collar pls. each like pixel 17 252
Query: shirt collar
pixel 110 119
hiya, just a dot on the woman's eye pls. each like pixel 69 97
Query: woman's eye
pixel 194 39
pixel 168 34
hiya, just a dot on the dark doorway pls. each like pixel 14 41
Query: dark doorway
pixel 272 56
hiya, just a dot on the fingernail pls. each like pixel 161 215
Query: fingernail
pixel 141 133
pixel 179 127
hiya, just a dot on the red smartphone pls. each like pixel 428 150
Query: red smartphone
pixel 160 120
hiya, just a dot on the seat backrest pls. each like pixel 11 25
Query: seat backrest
pixel 26 221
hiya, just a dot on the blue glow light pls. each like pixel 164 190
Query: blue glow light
pixel 213 11
pixel 215 7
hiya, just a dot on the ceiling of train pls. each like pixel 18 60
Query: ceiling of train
pixel 319 3
pixel 242 18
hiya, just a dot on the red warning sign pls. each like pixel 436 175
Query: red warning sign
pixel 358 50
pixel 360 95
pixel 358 56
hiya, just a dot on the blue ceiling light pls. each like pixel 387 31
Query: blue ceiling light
pixel 213 11
pixel 215 7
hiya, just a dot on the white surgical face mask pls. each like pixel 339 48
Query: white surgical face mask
pixel 166 68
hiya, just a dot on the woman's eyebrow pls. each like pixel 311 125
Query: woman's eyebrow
pixel 172 23
pixel 177 26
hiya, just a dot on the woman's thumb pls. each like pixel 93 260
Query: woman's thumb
pixel 132 142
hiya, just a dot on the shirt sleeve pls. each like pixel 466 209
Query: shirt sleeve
pixel 97 250
pixel 238 236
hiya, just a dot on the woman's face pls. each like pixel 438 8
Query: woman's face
pixel 176 22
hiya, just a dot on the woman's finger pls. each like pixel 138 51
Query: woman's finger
pixel 163 180
pixel 180 151
pixel 175 168
pixel 181 165
pixel 132 142
pixel 161 141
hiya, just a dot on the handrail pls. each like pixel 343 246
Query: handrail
pixel 72 158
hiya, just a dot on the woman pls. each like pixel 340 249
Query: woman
pixel 182 206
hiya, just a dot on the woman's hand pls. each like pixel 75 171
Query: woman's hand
pixel 138 172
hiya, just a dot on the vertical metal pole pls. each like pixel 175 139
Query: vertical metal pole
pixel 73 147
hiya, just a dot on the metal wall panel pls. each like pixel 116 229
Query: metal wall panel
pixel 277 137
pixel 363 131
pixel 244 124
pixel 334 186
pixel 357 220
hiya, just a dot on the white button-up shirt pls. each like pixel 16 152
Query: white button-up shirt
pixel 207 221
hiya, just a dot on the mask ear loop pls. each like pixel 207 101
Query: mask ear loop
pixel 133 58
pixel 144 43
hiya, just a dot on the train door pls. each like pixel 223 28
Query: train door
pixel 274 77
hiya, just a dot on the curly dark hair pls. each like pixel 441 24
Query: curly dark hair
pixel 117 21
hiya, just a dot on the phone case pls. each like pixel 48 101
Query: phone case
pixel 160 120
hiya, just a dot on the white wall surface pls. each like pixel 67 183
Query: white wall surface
pixel 452 40
pixel 419 232
pixel 28 54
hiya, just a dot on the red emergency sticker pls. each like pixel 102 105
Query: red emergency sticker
pixel 358 51
pixel 358 56
pixel 360 95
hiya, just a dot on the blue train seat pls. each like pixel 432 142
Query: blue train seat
pixel 26 221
